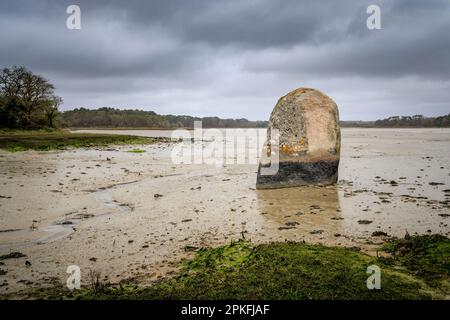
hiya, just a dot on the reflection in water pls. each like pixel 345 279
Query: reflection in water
pixel 304 211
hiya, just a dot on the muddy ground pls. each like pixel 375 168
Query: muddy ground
pixel 137 214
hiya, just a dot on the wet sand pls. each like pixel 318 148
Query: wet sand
pixel 136 215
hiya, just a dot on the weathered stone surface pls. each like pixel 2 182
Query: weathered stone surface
pixel 309 141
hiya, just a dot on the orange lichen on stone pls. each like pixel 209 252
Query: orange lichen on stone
pixel 300 146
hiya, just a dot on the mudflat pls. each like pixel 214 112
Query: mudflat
pixel 136 214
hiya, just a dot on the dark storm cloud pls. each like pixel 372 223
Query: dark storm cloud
pixel 102 48
pixel 234 58
pixel 415 40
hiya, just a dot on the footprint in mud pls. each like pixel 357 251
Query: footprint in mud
pixel 365 221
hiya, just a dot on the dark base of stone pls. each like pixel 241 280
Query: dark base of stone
pixel 294 174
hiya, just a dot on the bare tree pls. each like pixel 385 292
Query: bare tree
pixel 26 99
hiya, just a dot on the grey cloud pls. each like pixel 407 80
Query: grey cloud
pixel 234 58
pixel 414 44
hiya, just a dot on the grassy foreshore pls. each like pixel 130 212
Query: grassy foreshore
pixel 416 268
pixel 60 139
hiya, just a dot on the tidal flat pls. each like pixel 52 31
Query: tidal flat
pixel 135 215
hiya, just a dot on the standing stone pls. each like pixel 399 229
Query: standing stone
pixel 309 141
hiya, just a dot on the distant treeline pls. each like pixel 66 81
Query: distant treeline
pixel 116 118
pixel 414 121
pixel 417 121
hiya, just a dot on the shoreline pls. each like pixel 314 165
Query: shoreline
pixel 191 128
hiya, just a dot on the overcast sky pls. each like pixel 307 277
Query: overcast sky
pixel 235 58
